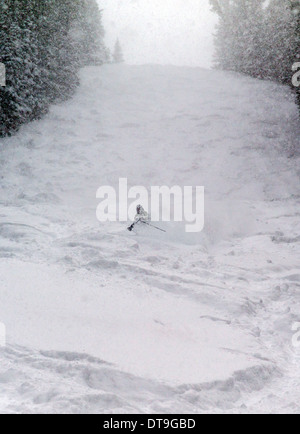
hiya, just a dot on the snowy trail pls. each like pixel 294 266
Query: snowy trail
pixel 201 323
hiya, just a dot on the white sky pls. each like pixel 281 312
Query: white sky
pixel 177 32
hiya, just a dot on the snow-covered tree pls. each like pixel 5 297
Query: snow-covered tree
pixel 260 38
pixel 43 45
pixel 118 53
pixel 239 38
pixel 88 33
pixel 296 13
pixel 18 52
pixel 279 41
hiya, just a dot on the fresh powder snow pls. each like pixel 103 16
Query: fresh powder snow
pixel 99 319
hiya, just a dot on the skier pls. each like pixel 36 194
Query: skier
pixel 141 217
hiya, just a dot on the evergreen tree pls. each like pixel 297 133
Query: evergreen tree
pixel 280 41
pixel 296 11
pixel 43 45
pixel 118 53
pixel 7 97
pixel 88 33
pixel 239 39
pixel 258 37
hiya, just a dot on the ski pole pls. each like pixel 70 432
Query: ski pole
pixel 152 226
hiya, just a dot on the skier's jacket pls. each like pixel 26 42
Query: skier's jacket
pixel 142 216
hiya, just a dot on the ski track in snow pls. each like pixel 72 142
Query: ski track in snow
pixel 101 320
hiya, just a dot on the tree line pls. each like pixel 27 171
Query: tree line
pixel 259 38
pixel 43 44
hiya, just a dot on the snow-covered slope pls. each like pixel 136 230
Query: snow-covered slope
pixel 99 319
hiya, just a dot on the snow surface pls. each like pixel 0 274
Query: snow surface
pixel 102 320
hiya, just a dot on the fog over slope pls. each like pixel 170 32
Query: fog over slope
pixel 176 32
